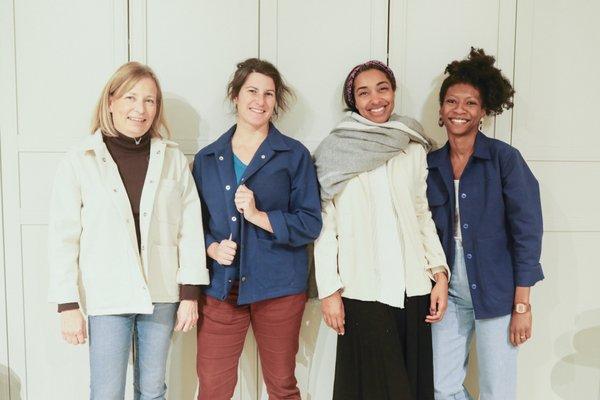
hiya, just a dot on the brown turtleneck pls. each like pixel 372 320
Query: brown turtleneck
pixel 132 157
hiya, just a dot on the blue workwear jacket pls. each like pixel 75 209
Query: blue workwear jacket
pixel 283 179
pixel 500 218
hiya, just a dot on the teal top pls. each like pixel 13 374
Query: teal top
pixel 239 168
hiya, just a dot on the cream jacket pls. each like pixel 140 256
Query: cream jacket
pixel 93 251
pixel 344 251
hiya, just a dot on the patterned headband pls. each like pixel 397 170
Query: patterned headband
pixel 349 84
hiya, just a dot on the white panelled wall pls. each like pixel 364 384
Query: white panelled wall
pixel 56 56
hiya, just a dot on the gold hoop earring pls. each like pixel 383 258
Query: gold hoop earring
pixel 440 122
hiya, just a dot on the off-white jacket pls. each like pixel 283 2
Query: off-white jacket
pixel 93 251
pixel 344 251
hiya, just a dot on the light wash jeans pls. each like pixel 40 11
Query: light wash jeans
pixel 110 341
pixel 497 357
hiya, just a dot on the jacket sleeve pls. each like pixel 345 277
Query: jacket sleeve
pixel 524 215
pixel 326 254
pixel 192 254
pixel 434 253
pixel 302 223
pixel 64 233
pixel 208 237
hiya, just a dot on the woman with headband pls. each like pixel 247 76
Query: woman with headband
pixel 486 206
pixel 378 253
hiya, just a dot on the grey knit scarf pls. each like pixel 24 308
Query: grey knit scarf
pixel 359 145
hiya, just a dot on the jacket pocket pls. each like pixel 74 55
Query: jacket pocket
pixel 275 267
pixel 162 272
pixel 496 270
pixel 167 206
pixel 436 197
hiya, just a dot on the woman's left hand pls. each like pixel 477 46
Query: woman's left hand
pixel 439 299
pixel 187 315
pixel 244 202
pixel 520 328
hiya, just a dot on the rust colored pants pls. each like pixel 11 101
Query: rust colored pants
pixel 222 331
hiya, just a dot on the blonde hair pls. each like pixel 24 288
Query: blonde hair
pixel 124 78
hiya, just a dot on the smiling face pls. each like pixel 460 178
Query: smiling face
pixel 134 110
pixel 255 102
pixel 462 110
pixel 373 95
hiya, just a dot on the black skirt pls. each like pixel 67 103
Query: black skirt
pixel 385 353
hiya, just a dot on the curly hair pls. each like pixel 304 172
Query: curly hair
pixel 478 71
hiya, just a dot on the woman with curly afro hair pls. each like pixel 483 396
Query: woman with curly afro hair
pixel 486 206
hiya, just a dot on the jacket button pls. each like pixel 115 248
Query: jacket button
pixel 145 214
pixel 466 226
pixel 229 280
pixel 158 152
pixel 243 279
pixel 469 256
pixel 227 187
pixel 263 156
pixel 464 195
pixel 233 219
pixel 220 158
pixel 104 159
pixel 115 190
pixel 242 179
pixel 473 286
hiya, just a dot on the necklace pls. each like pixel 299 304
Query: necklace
pixel 137 140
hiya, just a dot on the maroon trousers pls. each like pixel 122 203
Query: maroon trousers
pixel 222 329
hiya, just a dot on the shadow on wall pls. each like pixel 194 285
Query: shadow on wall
pixel 579 370
pixel 9 380
pixel 302 121
pixel 184 120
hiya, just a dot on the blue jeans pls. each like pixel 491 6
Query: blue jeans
pixel 110 341
pixel 496 356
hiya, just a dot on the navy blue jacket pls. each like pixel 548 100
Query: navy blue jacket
pixel 501 221
pixel 283 179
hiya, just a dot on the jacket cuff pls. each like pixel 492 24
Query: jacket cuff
pixel 208 240
pixel 68 307
pixel 328 291
pixel 434 270
pixel 280 230
pixel 189 292
pixel 528 276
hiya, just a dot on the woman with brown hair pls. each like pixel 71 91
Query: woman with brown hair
pixel 125 220
pixel 261 205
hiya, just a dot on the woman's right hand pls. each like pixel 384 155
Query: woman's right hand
pixel 332 308
pixel 223 252
pixel 73 327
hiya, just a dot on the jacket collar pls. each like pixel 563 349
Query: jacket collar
pixel 96 144
pixel 482 147
pixel 441 158
pixel 274 140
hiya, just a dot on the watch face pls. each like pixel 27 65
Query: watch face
pixel 520 308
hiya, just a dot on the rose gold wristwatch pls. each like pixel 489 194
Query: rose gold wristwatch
pixel 521 308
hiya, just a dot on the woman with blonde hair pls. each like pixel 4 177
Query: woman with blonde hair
pixel 125 222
